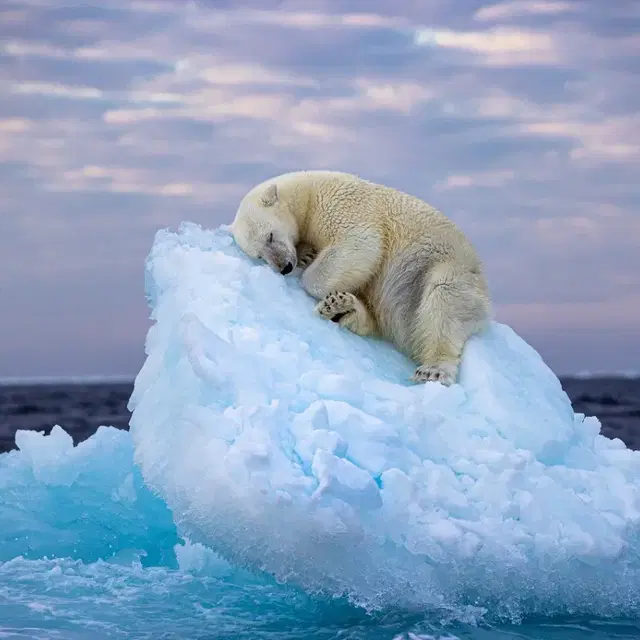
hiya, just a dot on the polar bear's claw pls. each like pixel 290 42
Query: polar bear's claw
pixel 306 255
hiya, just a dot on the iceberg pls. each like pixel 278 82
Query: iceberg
pixel 290 446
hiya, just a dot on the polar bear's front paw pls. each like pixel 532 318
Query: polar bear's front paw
pixel 306 255
pixel 336 305
pixel 444 372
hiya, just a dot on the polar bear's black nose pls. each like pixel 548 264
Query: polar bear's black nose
pixel 288 269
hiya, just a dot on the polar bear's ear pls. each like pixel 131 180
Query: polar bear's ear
pixel 270 195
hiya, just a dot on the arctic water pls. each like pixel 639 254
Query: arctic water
pixel 283 479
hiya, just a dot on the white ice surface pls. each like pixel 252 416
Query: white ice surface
pixel 289 445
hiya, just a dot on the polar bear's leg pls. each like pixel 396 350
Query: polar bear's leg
pixel 347 266
pixel 348 311
pixel 454 306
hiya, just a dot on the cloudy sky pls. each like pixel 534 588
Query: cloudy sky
pixel 519 119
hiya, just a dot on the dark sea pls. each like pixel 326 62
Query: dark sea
pixel 87 552
pixel 81 408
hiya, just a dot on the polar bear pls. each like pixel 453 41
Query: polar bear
pixel 381 262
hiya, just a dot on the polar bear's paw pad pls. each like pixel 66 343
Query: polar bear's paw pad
pixel 336 305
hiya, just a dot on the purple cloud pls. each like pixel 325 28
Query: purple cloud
pixel 519 119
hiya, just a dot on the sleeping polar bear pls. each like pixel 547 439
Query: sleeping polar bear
pixel 381 262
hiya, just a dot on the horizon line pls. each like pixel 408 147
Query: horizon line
pixel 130 379
pixel 68 379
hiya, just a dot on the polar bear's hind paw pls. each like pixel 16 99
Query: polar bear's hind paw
pixel 444 373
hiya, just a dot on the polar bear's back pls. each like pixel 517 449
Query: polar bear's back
pixel 344 202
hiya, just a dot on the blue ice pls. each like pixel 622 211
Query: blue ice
pixel 292 446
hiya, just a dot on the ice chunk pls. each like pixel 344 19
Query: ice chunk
pixel 290 445
pixel 85 502
pixel 344 480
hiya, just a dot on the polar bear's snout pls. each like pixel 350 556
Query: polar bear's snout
pixel 280 257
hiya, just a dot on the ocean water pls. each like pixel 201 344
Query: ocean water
pixel 119 576
pixel 280 479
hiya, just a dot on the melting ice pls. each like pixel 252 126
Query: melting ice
pixel 292 446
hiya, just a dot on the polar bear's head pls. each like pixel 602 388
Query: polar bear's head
pixel 265 229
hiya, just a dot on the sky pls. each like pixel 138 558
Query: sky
pixel 518 119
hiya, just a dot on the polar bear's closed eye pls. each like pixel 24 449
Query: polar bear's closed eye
pixel 264 233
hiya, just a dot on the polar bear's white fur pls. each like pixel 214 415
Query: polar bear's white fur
pixel 380 261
